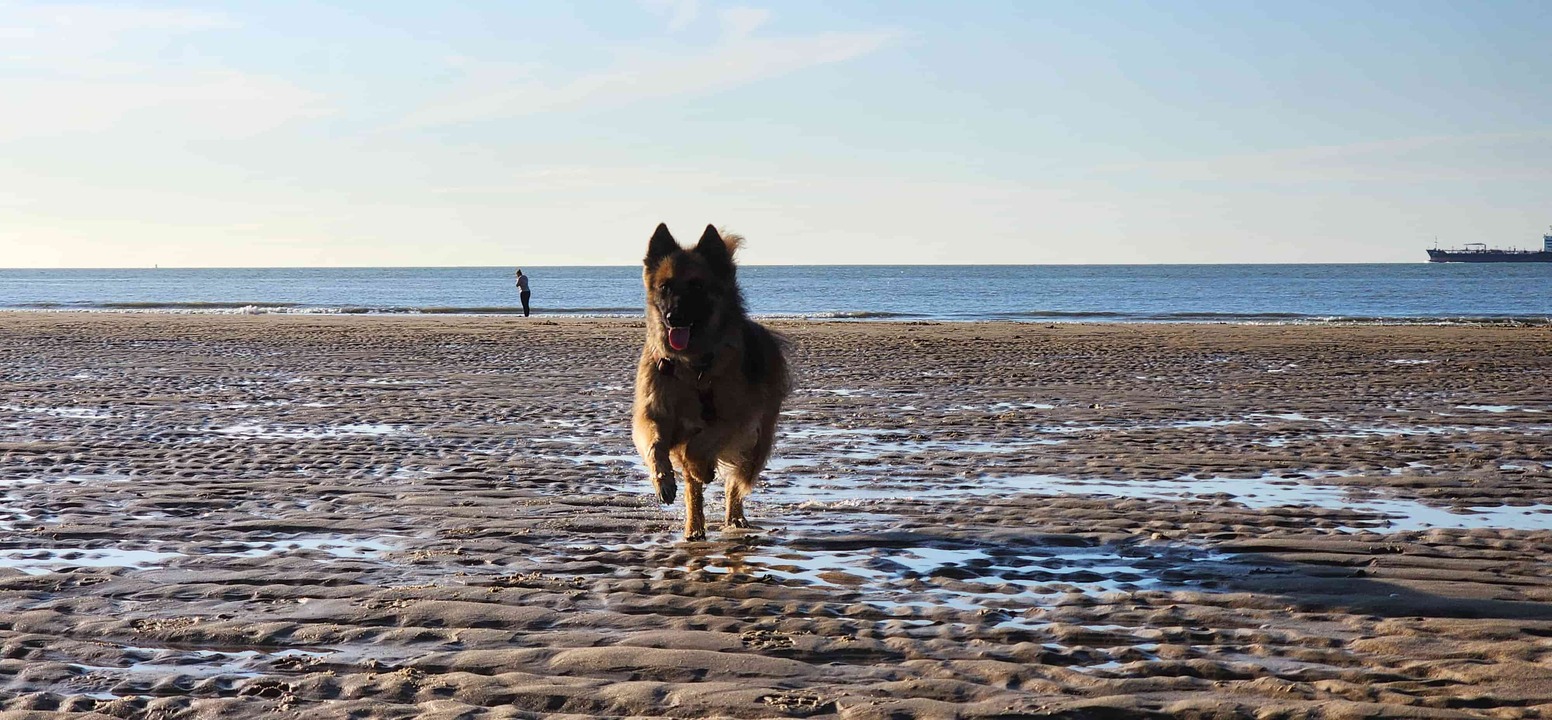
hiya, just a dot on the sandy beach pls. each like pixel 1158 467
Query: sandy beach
pixel 443 517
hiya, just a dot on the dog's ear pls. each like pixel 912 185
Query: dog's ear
pixel 662 245
pixel 714 251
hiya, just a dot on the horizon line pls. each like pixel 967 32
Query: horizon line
pixel 741 265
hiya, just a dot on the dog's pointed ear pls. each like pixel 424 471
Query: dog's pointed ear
pixel 662 245
pixel 714 250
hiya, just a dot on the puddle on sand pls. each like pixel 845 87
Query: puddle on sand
pixel 9 517
pixel 908 578
pixel 855 443
pixel 809 432
pixel 600 459
pixel 1269 491
pixel 1328 427
pixel 1006 406
pixel 332 545
pixel 810 490
pixel 1495 408
pixel 63 412
pixel 269 432
pixel 168 662
pixel 882 483
pixel 39 561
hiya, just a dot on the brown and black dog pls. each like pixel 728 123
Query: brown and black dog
pixel 711 381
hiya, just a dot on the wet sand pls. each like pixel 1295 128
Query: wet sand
pixel 394 517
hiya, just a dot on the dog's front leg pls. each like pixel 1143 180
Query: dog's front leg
pixel 662 469
pixel 697 473
pixel 654 445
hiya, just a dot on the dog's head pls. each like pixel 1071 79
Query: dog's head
pixel 691 294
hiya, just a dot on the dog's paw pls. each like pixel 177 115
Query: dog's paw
pixel 666 489
pixel 737 523
pixel 694 535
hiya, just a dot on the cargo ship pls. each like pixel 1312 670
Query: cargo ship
pixel 1481 253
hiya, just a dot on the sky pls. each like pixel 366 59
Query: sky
pixel 386 133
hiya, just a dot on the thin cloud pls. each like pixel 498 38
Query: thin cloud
pixel 680 13
pixel 1478 156
pixel 737 59
pixel 83 69
pixel 741 22
pixel 79 38
pixel 225 104
pixel 23 19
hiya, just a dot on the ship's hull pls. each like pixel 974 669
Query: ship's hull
pixel 1489 256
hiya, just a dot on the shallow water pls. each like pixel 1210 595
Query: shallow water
pixel 41 560
pixel 260 431
pixel 1270 491
pixel 198 663
pixel 909 576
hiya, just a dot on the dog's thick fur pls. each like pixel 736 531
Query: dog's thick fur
pixel 713 401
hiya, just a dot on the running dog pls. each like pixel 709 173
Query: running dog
pixel 711 381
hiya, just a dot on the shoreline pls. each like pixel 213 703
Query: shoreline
pixel 211 516
pixel 1186 319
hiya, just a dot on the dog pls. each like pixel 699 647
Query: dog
pixel 710 383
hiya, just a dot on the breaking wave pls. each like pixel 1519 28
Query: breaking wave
pixel 1055 316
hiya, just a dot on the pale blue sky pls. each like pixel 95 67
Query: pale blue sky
pixel 411 133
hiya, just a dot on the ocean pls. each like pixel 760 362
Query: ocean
pixel 1421 292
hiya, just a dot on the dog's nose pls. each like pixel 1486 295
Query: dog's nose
pixel 670 317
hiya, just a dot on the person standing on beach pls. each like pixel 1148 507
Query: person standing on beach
pixel 522 290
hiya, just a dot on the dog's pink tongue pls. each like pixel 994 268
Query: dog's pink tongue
pixel 679 338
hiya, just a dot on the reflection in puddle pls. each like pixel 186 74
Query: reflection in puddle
pixel 855 443
pixel 600 459
pixel 199 663
pixel 905 579
pixel 806 432
pixel 38 561
pixel 1291 417
pixel 1002 406
pixel 268 432
pixel 63 412
pixel 808 490
pixel 1495 408
pixel 1205 423
pixel 1269 491
pixel 332 545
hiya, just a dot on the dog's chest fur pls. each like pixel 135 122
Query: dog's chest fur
pixel 696 395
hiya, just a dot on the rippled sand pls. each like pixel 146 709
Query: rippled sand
pixel 377 517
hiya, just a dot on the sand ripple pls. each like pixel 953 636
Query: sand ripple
pixel 443 517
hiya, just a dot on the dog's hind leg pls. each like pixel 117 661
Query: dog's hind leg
pixel 736 487
pixel 698 471
pixel 745 473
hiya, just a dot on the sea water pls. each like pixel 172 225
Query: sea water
pixel 1420 292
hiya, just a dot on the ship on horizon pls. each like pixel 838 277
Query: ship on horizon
pixel 1481 253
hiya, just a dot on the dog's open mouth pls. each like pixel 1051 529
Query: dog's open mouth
pixel 679 338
